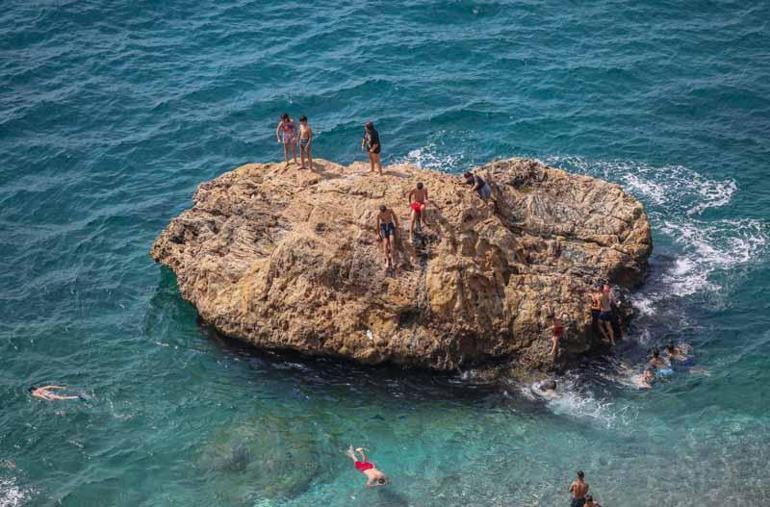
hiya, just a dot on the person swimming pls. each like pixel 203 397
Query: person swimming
pixel 677 353
pixel 545 389
pixel 45 393
pixel 656 361
pixel 590 502
pixel 645 380
pixel 374 476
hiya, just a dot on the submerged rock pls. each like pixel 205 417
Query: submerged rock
pixel 290 259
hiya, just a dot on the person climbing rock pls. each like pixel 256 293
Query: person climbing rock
pixel 557 331
pixel 387 224
pixel 418 201
pixel 596 308
pixel 578 489
pixel 479 185
pixel 286 132
pixel 605 317
pixel 374 477
pixel 371 142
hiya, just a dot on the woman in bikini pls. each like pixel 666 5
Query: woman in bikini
pixel 286 132
pixel 305 142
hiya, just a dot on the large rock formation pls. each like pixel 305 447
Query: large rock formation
pixel 290 259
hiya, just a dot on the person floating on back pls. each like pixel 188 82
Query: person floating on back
pixel 374 477
pixel 418 201
pixel 387 224
pixel 578 489
pixel 45 393
pixel 286 132
pixel 371 143
pixel 305 142
pixel 479 185
pixel 557 332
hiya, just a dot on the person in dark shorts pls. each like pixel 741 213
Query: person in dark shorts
pixel 479 185
pixel 374 476
pixel 387 224
pixel 578 489
pixel 596 308
pixel 371 143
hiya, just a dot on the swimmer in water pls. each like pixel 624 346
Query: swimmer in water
pixel 590 502
pixel 677 353
pixel 645 380
pixel 578 489
pixel 45 393
pixel 374 477
pixel 656 361
pixel 546 389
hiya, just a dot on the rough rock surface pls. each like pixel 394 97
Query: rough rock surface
pixel 289 259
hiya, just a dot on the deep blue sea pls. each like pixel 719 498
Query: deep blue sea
pixel 112 112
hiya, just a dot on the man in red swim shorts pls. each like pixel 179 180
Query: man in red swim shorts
pixel 374 477
pixel 418 200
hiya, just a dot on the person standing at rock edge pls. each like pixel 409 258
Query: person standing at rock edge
pixel 371 142
pixel 418 201
pixel 578 489
pixel 387 224
pixel 305 142
pixel 374 477
pixel 479 185
pixel 286 132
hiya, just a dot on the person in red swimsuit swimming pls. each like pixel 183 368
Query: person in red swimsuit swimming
pixel 374 477
pixel 418 200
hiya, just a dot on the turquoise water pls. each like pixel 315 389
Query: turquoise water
pixel 112 113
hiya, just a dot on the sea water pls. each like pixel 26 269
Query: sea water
pixel 112 112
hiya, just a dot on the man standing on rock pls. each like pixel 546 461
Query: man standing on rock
pixel 578 489
pixel 418 201
pixel 387 224
pixel 371 142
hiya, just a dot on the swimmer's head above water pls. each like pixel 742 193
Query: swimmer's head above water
pixel 549 385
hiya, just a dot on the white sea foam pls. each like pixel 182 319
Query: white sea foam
pixel 433 156
pixel 11 495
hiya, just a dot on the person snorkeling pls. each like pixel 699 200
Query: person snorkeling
pixel 374 476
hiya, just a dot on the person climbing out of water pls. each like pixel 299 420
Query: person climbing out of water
pixel 374 477
pixel 557 332
pixel 656 361
pixel 45 393
pixel 479 185
pixel 596 309
pixel 286 132
pixel 371 143
pixel 578 489
pixel 605 317
pixel 305 142
pixel 387 224
pixel 645 380
pixel 418 201
pixel 615 322
pixel 590 502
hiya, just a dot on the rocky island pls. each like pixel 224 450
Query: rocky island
pixel 290 260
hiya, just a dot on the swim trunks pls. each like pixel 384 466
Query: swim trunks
pixel 557 331
pixel 577 502
pixel 304 143
pixel 486 191
pixel 417 206
pixel 605 316
pixel 363 466
pixel 388 229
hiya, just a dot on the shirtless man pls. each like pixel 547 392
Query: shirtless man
pixel 387 224
pixel 578 489
pixel 656 361
pixel 44 393
pixel 418 200
pixel 645 380
pixel 596 309
pixel 605 316
pixel 677 353
pixel 374 477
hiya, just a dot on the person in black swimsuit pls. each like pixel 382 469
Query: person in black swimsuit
pixel 371 142
pixel 387 224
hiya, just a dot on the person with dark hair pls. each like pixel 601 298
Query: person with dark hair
pixel 305 142
pixel 286 132
pixel 45 393
pixel 418 201
pixel 645 380
pixel 557 332
pixel 479 185
pixel 590 502
pixel 371 142
pixel 578 489
pixel 605 316
pixel 374 477
pixel 617 328
pixel 677 352
pixel 387 224
pixel 655 360
pixel 596 309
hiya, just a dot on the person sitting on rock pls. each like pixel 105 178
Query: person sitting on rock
pixel 479 185
pixel 374 477
pixel 418 200
pixel 557 331
pixel 45 393
pixel 605 317
pixel 387 224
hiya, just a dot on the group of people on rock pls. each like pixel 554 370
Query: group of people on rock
pixel 287 134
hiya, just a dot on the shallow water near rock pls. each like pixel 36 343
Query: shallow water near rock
pixel 112 114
